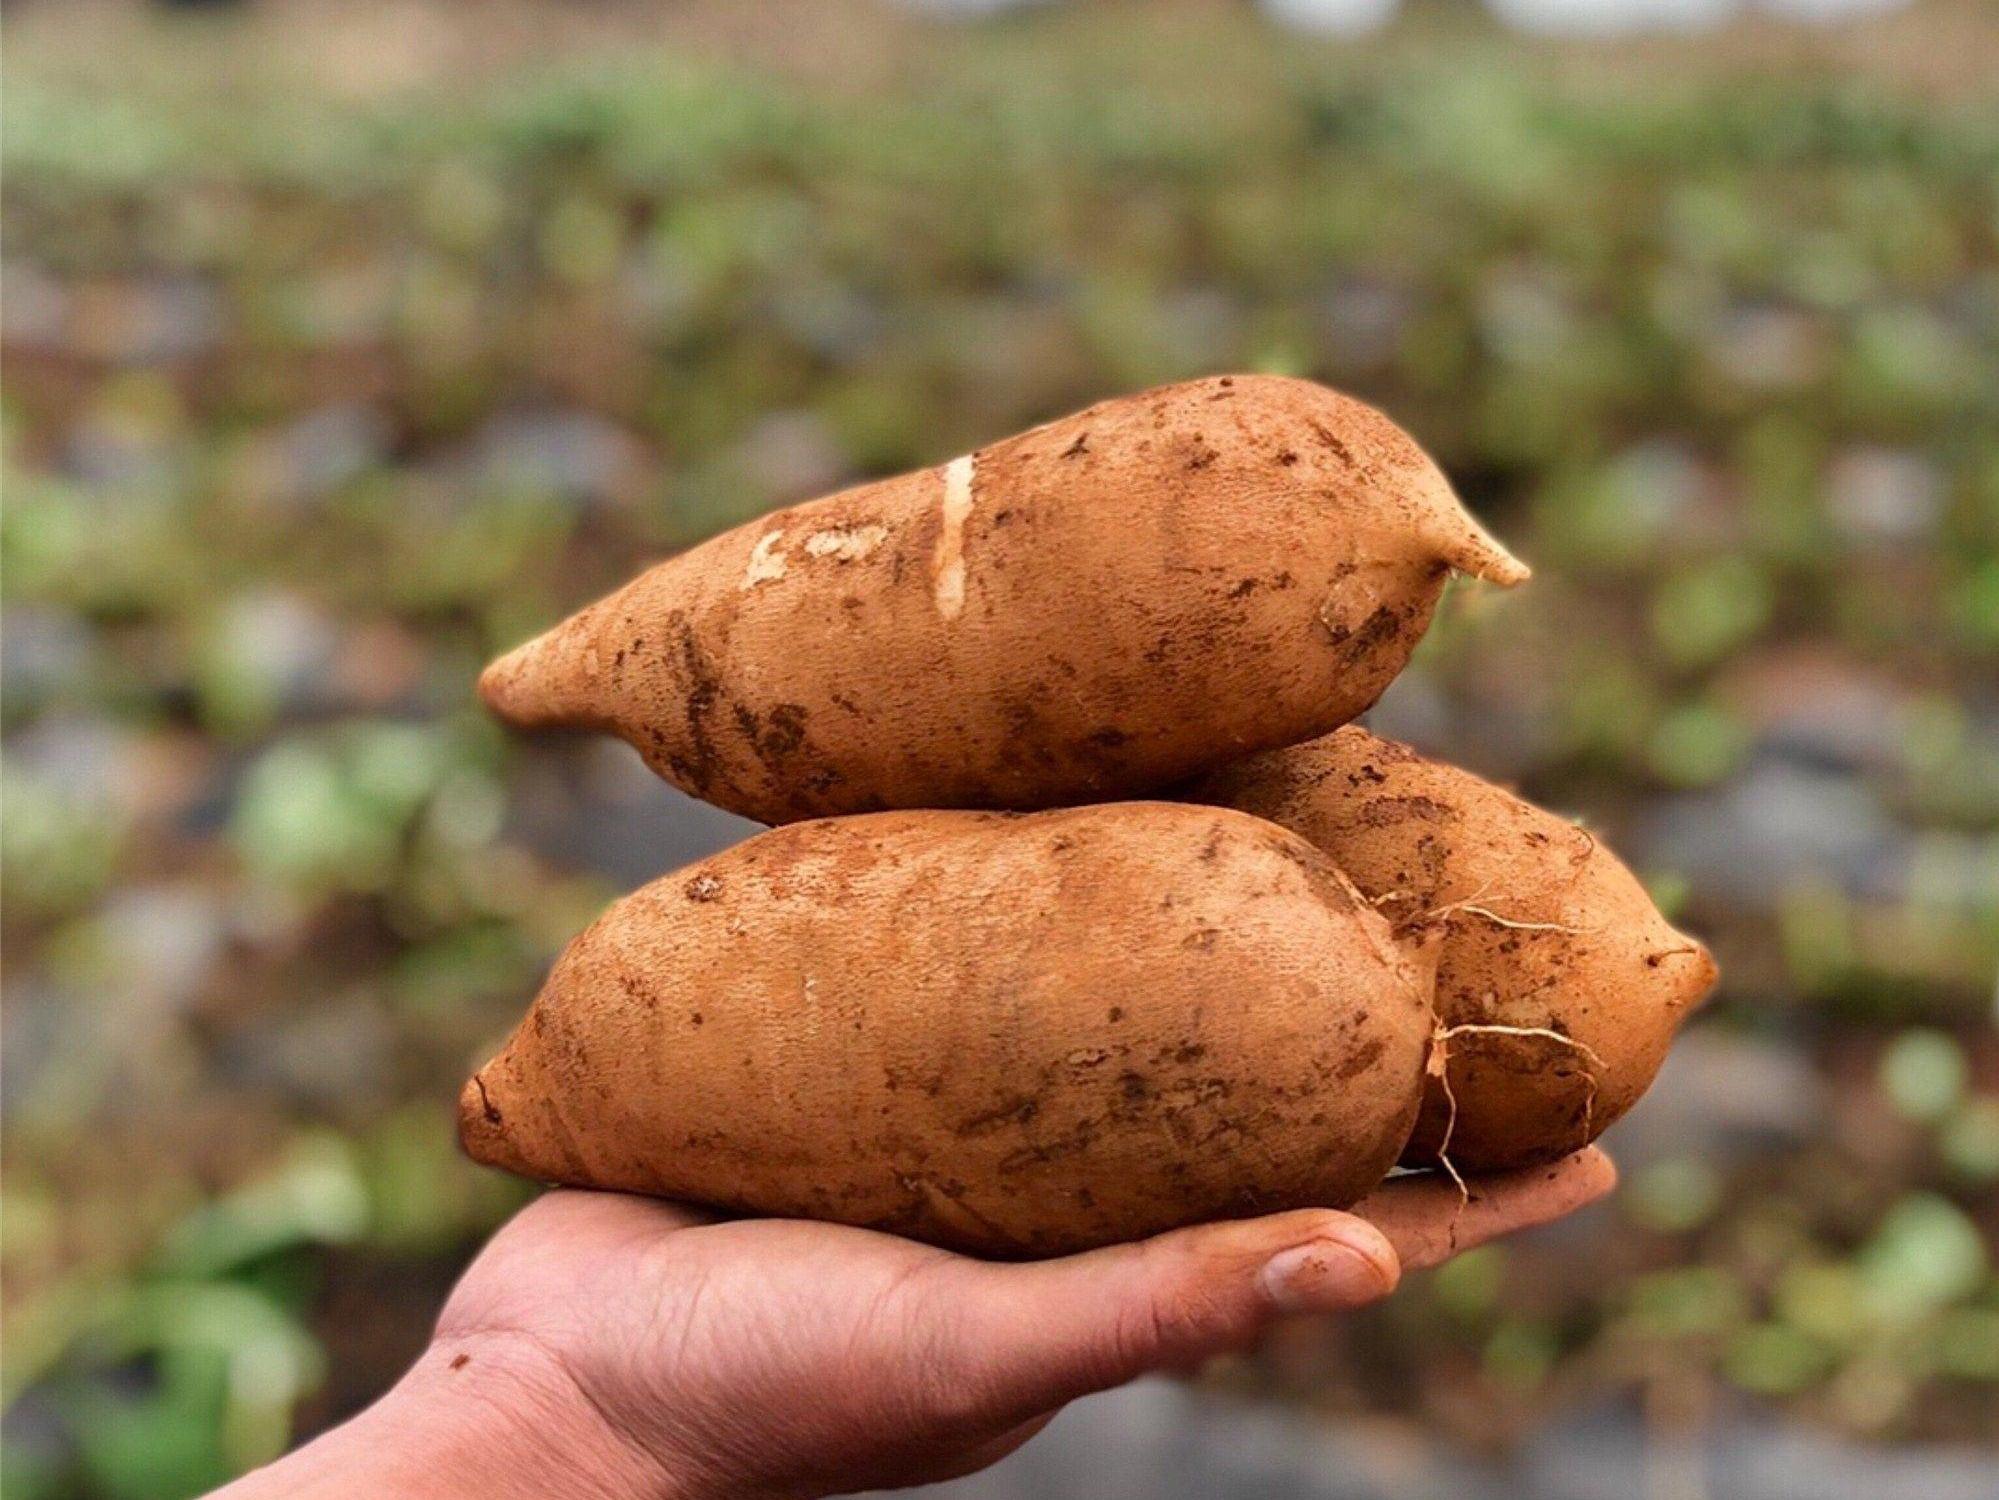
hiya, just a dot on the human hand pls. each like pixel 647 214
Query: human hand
pixel 611 1345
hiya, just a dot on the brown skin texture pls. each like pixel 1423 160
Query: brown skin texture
pixel 1010 1035
pixel 1597 963
pixel 1089 611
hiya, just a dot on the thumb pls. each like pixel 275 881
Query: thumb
pixel 1049 1332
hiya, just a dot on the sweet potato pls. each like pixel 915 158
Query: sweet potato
pixel 1560 985
pixel 1016 1035
pixel 1091 610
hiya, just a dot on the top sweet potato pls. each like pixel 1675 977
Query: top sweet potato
pixel 1094 609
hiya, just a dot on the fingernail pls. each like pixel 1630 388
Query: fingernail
pixel 1324 1275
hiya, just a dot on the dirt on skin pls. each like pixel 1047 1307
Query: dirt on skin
pixel 1014 1035
pixel 1092 610
pixel 1560 985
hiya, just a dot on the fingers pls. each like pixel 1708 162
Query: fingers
pixel 1428 1220
pixel 1059 1329
pixel 1049 1332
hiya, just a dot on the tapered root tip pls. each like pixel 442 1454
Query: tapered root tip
pixel 481 1128
pixel 1479 555
pixel 1500 567
pixel 516 688
pixel 1454 535
pixel 1701 974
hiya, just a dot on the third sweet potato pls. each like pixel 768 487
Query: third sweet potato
pixel 1560 985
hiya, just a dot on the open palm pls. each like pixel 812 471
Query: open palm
pixel 776 1357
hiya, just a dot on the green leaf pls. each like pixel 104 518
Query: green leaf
pixel 1923 1073
pixel 1775 1359
pixel 1926 1254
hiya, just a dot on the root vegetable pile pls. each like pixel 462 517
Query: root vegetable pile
pixel 960 1005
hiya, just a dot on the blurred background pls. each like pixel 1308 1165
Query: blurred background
pixel 347 343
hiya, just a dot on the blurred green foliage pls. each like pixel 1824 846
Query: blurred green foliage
pixel 313 400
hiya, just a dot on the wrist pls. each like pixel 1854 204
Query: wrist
pixel 489 1416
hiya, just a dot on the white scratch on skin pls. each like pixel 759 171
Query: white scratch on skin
pixel 766 562
pixel 957 506
pixel 846 543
